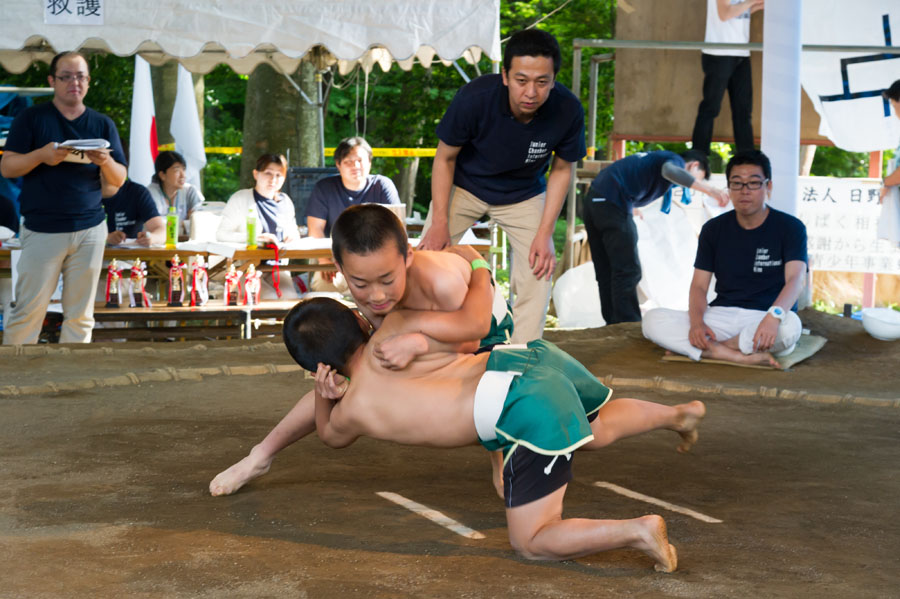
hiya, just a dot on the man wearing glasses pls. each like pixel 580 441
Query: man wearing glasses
pixel 758 255
pixel 64 229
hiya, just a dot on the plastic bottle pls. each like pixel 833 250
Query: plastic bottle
pixel 251 229
pixel 171 228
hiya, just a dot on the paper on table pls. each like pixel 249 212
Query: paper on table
pixel 309 243
pixel 84 144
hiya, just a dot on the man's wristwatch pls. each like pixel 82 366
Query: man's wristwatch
pixel 777 312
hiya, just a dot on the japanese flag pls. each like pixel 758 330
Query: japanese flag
pixel 185 127
pixel 142 145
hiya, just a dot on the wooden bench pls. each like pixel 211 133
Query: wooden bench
pixel 199 322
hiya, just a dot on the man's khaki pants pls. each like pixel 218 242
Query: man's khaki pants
pixel 520 221
pixel 78 256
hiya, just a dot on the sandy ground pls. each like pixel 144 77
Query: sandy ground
pixel 108 450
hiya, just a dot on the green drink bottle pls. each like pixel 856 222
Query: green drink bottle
pixel 251 229
pixel 171 228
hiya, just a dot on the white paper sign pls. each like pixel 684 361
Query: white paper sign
pixel 73 12
pixel 841 218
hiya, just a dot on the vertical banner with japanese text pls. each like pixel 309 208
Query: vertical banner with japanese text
pixel 841 218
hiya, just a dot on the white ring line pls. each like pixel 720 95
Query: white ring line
pixel 663 504
pixel 433 515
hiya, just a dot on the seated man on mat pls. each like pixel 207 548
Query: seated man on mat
pixel 758 255
pixel 536 404
pixel 370 247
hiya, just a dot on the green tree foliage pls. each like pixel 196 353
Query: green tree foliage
pixel 109 93
pixel 223 116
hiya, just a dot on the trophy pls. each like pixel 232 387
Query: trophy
pixel 252 286
pixel 199 282
pixel 113 285
pixel 232 286
pixel 176 282
pixel 137 294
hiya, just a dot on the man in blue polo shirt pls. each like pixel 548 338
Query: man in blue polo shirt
pixel 353 185
pixel 131 213
pixel 63 231
pixel 758 255
pixel 497 139
pixel 626 184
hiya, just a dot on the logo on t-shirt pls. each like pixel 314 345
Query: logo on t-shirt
pixel 537 151
pixel 763 260
pixel 122 221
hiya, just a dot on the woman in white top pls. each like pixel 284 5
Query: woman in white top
pixel 272 209
pixel 169 187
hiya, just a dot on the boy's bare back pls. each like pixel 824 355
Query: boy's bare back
pixel 428 403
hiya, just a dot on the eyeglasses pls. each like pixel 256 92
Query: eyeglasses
pixel 79 77
pixel 752 185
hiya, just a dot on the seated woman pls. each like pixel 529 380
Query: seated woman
pixel 332 195
pixel 273 211
pixel 169 187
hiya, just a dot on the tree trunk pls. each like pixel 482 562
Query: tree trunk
pixel 408 170
pixel 165 88
pixel 309 139
pixel 270 119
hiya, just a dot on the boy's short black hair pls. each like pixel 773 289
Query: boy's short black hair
pixel 366 228
pixel 532 42
pixel 893 92
pixel 697 156
pixel 164 161
pixel 321 329
pixel 750 157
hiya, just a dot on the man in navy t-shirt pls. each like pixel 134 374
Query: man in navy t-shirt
pixel 758 255
pixel 353 185
pixel 131 213
pixel 626 184
pixel 63 231
pixel 497 139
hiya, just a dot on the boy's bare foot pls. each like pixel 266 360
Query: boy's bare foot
pixel 689 416
pixel 654 541
pixel 238 475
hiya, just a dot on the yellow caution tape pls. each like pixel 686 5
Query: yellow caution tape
pixel 378 152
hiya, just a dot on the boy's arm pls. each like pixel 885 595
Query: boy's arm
pixel 472 321
pixel 329 424
pixel 397 351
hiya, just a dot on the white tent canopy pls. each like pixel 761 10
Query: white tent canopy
pixel 203 33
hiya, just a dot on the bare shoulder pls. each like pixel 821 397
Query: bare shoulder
pixel 437 281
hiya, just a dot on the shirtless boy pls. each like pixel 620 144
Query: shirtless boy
pixel 370 248
pixel 536 404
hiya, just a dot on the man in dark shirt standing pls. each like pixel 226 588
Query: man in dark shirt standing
pixel 497 139
pixel 63 231
pixel 626 184
pixel 758 255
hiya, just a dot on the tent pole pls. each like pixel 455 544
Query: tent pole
pixel 781 99
pixel 570 209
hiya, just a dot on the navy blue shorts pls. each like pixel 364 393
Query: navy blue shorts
pixel 529 476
